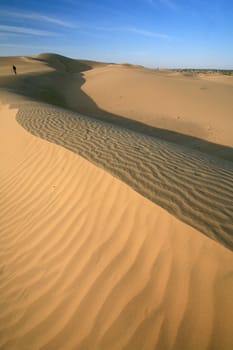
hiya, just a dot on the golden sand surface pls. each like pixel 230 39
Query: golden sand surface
pixel 116 216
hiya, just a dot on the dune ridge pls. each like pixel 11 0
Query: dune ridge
pixel 87 263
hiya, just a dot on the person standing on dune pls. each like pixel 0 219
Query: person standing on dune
pixel 14 69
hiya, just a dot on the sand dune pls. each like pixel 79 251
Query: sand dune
pixel 87 262
pixel 182 109
pixel 185 104
pixel 191 186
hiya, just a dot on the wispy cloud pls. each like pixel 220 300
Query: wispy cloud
pixel 132 29
pixel 6 35
pixel 147 33
pixel 168 3
pixel 24 30
pixel 26 46
pixel 33 16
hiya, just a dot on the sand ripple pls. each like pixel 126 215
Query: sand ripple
pixel 195 188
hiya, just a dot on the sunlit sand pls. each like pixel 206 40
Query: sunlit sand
pixel 116 207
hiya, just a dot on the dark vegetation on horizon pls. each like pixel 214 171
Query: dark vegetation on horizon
pixel 195 70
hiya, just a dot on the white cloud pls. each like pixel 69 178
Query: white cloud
pixel 24 30
pixel 132 29
pixel 36 17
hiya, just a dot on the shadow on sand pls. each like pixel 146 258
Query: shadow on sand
pixel 46 87
pixel 195 187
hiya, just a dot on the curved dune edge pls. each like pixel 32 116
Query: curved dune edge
pixel 87 263
pixel 196 188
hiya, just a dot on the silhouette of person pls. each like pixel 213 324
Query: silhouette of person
pixel 14 69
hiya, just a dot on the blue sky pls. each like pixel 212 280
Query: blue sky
pixel 154 33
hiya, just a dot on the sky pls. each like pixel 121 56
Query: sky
pixel 153 33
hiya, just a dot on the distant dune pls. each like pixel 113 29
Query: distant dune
pixel 116 201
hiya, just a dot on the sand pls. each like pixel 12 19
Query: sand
pixel 111 238
pixel 185 104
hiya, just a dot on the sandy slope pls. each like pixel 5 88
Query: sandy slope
pixel 192 186
pixel 85 261
pixel 88 263
pixel 188 104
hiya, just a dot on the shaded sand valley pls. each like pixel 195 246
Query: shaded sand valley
pixel 110 238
